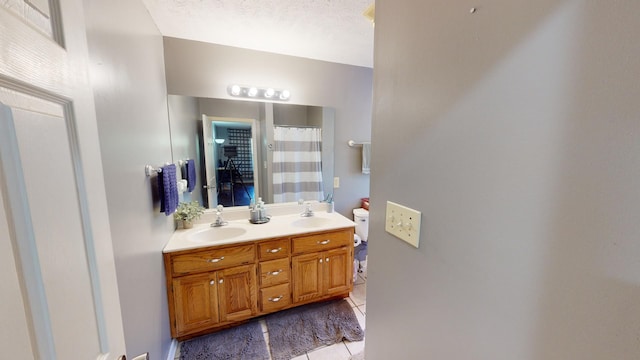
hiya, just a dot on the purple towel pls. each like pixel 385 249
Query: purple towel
pixel 191 174
pixel 168 189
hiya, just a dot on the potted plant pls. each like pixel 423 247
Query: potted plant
pixel 187 212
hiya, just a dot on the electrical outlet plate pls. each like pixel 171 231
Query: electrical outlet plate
pixel 403 223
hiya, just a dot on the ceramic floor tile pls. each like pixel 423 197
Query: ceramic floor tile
pixel 363 308
pixel 359 294
pixel 337 351
pixel 301 357
pixel 355 346
pixel 359 280
pixel 361 318
pixel 351 302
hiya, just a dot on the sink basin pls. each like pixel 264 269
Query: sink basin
pixel 216 234
pixel 311 222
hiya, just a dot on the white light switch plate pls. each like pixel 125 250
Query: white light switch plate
pixel 403 223
pixel 336 182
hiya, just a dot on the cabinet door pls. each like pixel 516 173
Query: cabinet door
pixel 237 292
pixel 338 271
pixel 196 302
pixel 307 276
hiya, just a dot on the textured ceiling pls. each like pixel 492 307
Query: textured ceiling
pixel 329 30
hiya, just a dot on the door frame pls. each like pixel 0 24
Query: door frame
pixel 210 155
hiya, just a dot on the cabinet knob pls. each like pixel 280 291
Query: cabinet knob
pixel 273 251
pixel 276 299
pixel 216 259
pixel 212 282
pixel 327 259
pixel 320 261
pixel 324 242
pixel 274 273
pixel 220 281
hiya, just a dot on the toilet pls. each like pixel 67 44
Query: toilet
pixel 361 218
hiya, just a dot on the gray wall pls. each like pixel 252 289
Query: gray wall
pixel 289 114
pixel 127 72
pixel 516 131
pixel 205 70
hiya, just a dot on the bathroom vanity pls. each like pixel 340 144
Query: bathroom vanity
pixel 220 276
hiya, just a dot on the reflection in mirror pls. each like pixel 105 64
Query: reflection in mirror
pixel 229 159
pixel 191 118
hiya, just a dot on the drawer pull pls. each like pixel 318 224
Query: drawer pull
pixel 274 273
pixel 324 242
pixel 276 299
pixel 273 251
pixel 216 259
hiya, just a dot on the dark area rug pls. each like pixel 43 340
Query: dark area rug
pixel 295 331
pixel 243 342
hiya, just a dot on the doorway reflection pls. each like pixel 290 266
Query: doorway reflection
pixel 233 156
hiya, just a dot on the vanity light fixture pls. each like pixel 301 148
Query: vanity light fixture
pixel 235 90
pixel 258 93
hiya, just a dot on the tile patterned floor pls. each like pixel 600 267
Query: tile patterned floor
pixel 342 350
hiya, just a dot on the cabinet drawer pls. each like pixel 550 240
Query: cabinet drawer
pixel 273 249
pixel 275 297
pixel 274 272
pixel 320 242
pixel 212 259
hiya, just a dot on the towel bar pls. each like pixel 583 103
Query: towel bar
pixel 149 170
pixel 360 143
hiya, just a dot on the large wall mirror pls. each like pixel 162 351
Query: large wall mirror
pixel 245 150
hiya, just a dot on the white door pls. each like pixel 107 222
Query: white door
pixel 211 166
pixel 59 295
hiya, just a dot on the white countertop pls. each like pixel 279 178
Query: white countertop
pixel 278 226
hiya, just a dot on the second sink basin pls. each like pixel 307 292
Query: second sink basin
pixel 214 234
pixel 311 222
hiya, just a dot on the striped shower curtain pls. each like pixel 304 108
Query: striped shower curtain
pixel 297 164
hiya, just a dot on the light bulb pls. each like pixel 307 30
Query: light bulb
pixel 253 92
pixel 269 93
pixel 284 95
pixel 235 90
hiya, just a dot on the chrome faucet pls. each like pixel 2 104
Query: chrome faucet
pixel 219 220
pixel 307 211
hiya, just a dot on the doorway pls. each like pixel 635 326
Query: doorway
pixel 230 161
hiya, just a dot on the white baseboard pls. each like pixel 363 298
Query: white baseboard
pixel 172 349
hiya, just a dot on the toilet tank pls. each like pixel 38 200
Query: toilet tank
pixel 361 218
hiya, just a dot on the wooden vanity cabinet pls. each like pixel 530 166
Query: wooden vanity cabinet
pixel 323 267
pixel 204 300
pixel 201 299
pixel 195 299
pixel 275 274
pixel 218 286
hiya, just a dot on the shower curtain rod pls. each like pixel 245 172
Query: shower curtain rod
pixel 298 126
